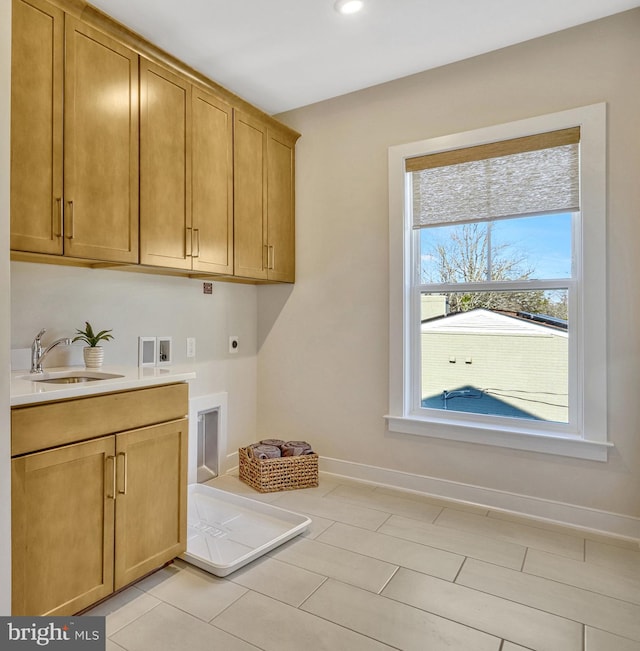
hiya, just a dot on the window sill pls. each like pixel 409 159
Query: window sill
pixel 545 443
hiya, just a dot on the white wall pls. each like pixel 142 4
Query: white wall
pixel 5 474
pixel 323 356
pixel 61 299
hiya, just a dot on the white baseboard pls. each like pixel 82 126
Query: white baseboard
pixel 580 517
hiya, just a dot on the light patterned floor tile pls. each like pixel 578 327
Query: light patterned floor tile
pixel 588 576
pixel 279 580
pixel 317 526
pixel 166 628
pixel 579 605
pixel 274 626
pixel 399 505
pixel 326 560
pixel 394 623
pixel 392 550
pixel 596 640
pixel 359 536
pixel 432 499
pixel 500 617
pixel 625 543
pixel 464 543
pixel 233 484
pixel 613 557
pixel 509 646
pixel 550 541
pixel 123 608
pixel 198 593
pixel 358 516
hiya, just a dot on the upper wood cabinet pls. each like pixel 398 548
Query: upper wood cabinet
pixel 264 203
pixel 165 167
pixel 186 175
pixel 78 198
pixel 37 73
pixel 101 146
pixel 212 183
pixel 121 154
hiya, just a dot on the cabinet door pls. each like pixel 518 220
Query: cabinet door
pixel 151 504
pixel 280 207
pixel 165 162
pixel 250 197
pixel 212 183
pixel 62 528
pixel 37 60
pixel 101 146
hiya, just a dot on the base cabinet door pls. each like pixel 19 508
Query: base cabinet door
pixel 151 502
pixel 62 528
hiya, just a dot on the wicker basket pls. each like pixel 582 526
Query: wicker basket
pixel 280 474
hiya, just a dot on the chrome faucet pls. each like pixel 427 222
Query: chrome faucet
pixel 38 355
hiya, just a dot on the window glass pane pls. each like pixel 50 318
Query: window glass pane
pixel 525 248
pixel 497 353
pixel 542 242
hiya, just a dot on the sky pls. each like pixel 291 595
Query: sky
pixel 545 242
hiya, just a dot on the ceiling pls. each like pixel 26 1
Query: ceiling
pixel 283 54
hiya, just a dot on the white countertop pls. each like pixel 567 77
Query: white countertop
pixel 26 392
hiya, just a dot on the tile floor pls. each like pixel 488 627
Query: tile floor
pixel 384 569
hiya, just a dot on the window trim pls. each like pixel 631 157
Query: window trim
pixel 591 442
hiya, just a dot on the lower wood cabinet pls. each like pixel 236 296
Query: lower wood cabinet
pixel 91 517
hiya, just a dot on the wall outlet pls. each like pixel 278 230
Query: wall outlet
pixel 191 346
pixel 234 344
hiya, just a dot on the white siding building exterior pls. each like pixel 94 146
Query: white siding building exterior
pixel 518 367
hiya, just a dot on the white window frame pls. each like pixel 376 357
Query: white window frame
pixel 588 438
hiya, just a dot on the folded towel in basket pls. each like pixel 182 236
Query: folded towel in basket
pixel 295 448
pixel 265 451
pixel 277 442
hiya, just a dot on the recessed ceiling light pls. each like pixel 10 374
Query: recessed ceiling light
pixel 348 6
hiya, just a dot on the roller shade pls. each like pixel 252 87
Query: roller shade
pixel 531 175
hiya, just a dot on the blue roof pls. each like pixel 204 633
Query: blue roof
pixel 471 400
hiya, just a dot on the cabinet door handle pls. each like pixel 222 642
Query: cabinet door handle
pixel 265 257
pixel 189 241
pixel 58 226
pixel 124 472
pixel 70 204
pixel 272 257
pixel 111 458
pixel 197 234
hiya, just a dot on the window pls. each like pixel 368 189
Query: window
pixel 498 308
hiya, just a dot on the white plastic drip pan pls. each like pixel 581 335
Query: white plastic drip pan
pixel 226 531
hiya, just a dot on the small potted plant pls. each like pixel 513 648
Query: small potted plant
pixel 93 353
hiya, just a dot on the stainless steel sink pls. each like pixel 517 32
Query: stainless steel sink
pixel 71 377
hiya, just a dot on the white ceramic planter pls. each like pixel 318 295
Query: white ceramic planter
pixel 93 356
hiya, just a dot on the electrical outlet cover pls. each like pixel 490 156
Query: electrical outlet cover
pixel 146 351
pixel 163 351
